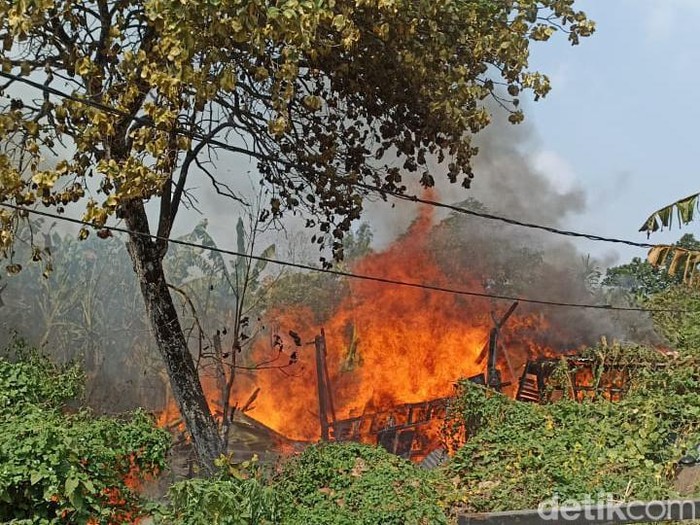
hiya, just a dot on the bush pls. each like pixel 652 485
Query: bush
pixel 32 379
pixel 524 454
pixel 237 495
pixel 72 468
pixel 350 483
pixel 329 484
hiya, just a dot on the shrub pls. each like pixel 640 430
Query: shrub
pixel 72 468
pixel 32 379
pixel 351 483
pixel 523 454
pixel 237 495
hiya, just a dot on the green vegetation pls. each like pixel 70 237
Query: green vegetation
pixel 523 454
pixel 236 495
pixel 73 467
pixel 682 330
pixel 59 463
pixel 517 456
pixel 68 467
pixel 344 484
pixel 328 484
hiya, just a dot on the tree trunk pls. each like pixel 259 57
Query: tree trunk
pixel 187 390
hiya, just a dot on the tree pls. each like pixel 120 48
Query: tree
pixel 325 96
pixel 320 293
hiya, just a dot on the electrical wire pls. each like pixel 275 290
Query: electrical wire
pixel 351 275
pixel 367 187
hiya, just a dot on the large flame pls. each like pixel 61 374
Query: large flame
pixel 387 344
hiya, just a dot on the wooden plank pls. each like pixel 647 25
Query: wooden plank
pixel 634 512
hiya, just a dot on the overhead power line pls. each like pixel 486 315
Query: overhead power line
pixel 513 222
pixel 368 187
pixel 352 275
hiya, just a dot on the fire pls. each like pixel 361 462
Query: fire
pixel 387 344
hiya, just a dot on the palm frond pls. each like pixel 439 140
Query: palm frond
pixel 673 259
pixel 684 209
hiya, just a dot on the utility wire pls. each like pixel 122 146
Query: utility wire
pixel 368 187
pixel 513 222
pixel 365 277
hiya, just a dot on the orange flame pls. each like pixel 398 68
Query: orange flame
pixel 387 344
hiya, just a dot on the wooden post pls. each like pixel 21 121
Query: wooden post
pixel 493 376
pixel 327 377
pixel 320 343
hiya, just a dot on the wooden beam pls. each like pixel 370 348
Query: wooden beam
pixel 327 377
pixel 321 387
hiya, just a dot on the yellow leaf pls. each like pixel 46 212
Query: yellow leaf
pixel 82 66
pixel 678 256
pixel 228 80
pixel 657 255
pixel 278 126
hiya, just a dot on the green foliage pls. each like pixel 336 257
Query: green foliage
pixel 69 467
pixel 356 244
pixel 688 241
pixel 350 483
pixel 682 330
pixel 87 309
pixel 523 454
pixel 339 483
pixel 318 292
pixel 236 495
pixel 34 379
pixel 640 279
pixel 503 266
pixel 223 293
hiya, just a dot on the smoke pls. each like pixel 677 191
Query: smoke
pixel 510 181
pixel 394 344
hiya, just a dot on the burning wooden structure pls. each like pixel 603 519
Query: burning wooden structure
pixel 586 377
pixel 405 430
pixel 412 430
pixel 408 430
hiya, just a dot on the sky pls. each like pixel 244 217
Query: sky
pixel 621 119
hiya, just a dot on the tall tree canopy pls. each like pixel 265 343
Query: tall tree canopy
pixel 326 95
